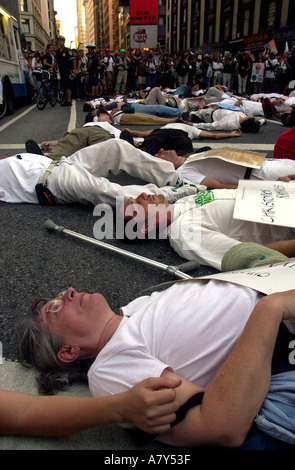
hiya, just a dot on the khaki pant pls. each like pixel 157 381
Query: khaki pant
pixel 78 139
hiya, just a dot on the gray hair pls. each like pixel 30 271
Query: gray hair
pixel 38 347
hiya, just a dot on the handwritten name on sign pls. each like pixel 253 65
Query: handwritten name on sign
pixel 266 202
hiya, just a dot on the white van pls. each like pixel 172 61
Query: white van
pixel 14 74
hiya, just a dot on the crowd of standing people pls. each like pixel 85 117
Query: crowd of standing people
pixel 88 75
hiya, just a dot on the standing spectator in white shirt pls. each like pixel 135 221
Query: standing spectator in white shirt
pixel 109 71
pixel 271 65
pixel 217 71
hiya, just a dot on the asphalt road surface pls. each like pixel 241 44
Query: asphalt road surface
pixel 37 263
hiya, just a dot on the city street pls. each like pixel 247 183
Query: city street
pixel 37 263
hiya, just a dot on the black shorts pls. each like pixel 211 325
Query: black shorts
pixel 65 78
pixel 93 79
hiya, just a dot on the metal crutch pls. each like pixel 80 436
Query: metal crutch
pixel 178 271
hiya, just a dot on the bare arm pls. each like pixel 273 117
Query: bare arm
pixel 287 178
pixel 220 135
pixel 238 389
pixel 214 184
pixel 150 405
pixel 139 133
pixel 286 247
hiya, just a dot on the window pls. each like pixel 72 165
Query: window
pixel 227 28
pixel 4 43
pixel 210 33
pixel 246 22
pixel 16 38
pixel 23 5
pixel 271 16
pixel 25 26
pixel 196 9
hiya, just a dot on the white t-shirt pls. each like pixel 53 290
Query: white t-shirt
pixel 193 132
pixel 19 176
pixel 269 73
pixel 223 120
pixel 271 96
pixel 203 227
pixel 248 107
pixel 190 327
pixel 230 173
pixel 290 101
pixel 110 62
pixel 107 126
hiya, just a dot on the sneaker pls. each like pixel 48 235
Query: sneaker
pixel 66 103
pixel 126 135
pixel 183 191
pixel 33 147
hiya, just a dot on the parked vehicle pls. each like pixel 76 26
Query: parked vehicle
pixel 14 74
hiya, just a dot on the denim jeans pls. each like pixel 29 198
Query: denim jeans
pixel 157 110
pixel 185 91
pixel 277 414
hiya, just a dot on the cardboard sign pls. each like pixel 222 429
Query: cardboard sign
pixel 257 72
pixel 266 202
pixel 268 279
pixel 143 36
pixel 232 155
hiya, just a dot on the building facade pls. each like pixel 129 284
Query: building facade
pixel 37 19
pixel 208 25
pixel 98 23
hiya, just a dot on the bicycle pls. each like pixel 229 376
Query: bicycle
pixel 58 89
pixel 48 90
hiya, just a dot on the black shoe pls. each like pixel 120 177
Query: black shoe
pixel 126 135
pixel 66 103
pixel 33 147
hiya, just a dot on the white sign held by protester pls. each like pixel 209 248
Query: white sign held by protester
pixel 268 279
pixel 257 74
pixel 266 202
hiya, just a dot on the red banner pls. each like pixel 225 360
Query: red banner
pixel 144 12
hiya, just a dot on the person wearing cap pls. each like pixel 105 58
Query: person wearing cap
pixel 64 61
pixel 108 62
pixel 121 64
pixel 92 68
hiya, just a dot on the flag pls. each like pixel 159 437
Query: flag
pixel 271 45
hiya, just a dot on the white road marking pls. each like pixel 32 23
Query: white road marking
pixel 73 117
pixel 250 146
pixel 198 144
pixel 16 118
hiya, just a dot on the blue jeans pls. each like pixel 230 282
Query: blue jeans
pixel 184 91
pixel 274 425
pixel 151 79
pixel 157 110
pixel 277 414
